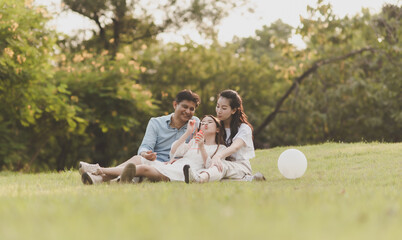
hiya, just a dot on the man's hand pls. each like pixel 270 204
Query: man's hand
pixel 216 161
pixel 149 155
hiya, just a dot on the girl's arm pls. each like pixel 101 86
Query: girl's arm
pixel 204 154
pixel 199 138
pixel 182 139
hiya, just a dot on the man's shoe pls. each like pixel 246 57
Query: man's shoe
pixel 189 175
pixel 90 179
pixel 258 177
pixel 87 167
pixel 128 173
pixel 138 179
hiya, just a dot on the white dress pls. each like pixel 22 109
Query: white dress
pixel 191 156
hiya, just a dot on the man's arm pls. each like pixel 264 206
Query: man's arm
pixel 149 141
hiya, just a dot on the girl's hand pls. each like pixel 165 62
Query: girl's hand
pixel 199 139
pixel 190 126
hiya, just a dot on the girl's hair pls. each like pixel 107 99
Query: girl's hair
pixel 238 117
pixel 219 138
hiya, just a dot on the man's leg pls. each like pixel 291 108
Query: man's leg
pixel 94 168
pixel 116 171
pixel 135 160
pixel 151 173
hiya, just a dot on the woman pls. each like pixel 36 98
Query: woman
pixel 239 139
pixel 196 154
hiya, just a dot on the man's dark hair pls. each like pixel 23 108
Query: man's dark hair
pixel 189 96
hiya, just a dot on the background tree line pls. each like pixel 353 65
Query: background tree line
pixel 64 100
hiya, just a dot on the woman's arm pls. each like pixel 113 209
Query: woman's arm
pixel 236 145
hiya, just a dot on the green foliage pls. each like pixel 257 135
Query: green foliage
pixel 269 41
pixel 34 107
pixel 114 105
pixel 205 70
pixel 353 99
pixel 58 109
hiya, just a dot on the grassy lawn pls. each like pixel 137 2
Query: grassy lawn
pixel 349 191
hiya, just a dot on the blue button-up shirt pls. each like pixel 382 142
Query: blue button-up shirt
pixel 160 136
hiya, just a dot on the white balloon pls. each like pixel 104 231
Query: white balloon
pixel 292 163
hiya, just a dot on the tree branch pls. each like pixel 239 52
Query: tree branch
pixel 298 80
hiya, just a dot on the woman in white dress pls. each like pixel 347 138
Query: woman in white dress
pixel 196 154
pixel 239 139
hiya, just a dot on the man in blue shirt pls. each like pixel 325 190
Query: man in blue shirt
pixel 163 131
pixel 160 134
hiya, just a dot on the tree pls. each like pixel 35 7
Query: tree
pixel 112 102
pixel 33 106
pixel 352 98
pixel 125 22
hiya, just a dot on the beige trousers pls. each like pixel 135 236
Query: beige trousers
pixel 235 170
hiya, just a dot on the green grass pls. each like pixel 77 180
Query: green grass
pixel 349 191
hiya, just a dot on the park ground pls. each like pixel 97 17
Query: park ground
pixel 349 191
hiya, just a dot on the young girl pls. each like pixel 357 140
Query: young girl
pixel 239 139
pixel 196 154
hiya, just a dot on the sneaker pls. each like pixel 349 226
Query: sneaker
pixel 87 167
pixel 115 180
pixel 128 173
pixel 90 179
pixel 189 175
pixel 138 179
pixel 258 177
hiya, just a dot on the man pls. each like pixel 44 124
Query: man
pixel 161 132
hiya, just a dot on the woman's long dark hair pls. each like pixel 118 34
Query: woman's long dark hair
pixel 238 117
pixel 219 136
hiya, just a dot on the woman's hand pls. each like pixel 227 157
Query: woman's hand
pixel 216 161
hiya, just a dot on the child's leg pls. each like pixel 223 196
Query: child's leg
pixel 211 174
pixel 203 177
pixel 151 173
